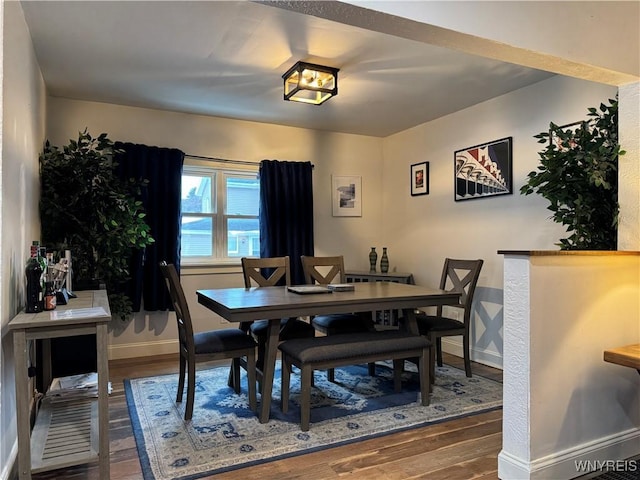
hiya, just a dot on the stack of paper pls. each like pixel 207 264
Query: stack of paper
pixel 74 387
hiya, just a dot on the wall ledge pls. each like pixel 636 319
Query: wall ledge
pixel 577 253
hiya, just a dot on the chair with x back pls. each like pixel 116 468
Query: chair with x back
pixel 323 271
pixel 269 272
pixel 228 343
pixel 459 276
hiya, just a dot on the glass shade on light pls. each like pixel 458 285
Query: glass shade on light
pixel 310 83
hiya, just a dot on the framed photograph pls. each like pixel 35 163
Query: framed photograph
pixel 419 179
pixel 569 128
pixel 483 170
pixel 346 196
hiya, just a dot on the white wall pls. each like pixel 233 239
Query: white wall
pixel 330 153
pixel 562 402
pixel 421 231
pixel 629 167
pixel 22 136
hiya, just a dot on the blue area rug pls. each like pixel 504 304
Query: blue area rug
pixel 225 435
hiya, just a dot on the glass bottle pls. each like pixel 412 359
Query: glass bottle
pixel 33 272
pixel 384 261
pixel 49 296
pixel 42 258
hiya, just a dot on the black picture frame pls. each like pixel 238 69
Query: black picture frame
pixel 419 179
pixel 483 170
pixel 569 127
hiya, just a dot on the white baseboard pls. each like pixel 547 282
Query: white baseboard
pixel 146 349
pixel 149 349
pixel 565 464
pixel 454 346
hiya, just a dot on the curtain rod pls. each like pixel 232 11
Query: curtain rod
pixel 225 160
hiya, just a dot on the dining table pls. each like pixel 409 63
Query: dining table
pixel 274 303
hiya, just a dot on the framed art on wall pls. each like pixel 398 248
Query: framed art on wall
pixel 419 179
pixel 563 140
pixel 346 195
pixel 483 170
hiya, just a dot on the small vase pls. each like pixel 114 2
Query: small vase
pixel 373 258
pixel 384 261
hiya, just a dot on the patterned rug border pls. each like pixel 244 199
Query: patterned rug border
pixel 146 463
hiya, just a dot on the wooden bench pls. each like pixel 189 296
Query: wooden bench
pixel 320 353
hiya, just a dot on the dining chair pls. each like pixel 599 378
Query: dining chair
pixel 269 272
pixel 324 271
pixel 228 343
pixel 460 276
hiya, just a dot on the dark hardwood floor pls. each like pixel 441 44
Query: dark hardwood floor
pixel 462 449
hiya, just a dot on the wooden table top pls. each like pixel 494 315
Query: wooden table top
pixel 90 306
pixel 628 356
pixel 243 304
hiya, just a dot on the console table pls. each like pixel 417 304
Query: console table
pixel 83 435
pixel 385 318
pixel 366 276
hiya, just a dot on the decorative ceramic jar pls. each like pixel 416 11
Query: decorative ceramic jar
pixel 384 261
pixel 373 258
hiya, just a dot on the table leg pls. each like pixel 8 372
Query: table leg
pixel 411 325
pixel 410 322
pixel 103 399
pixel 47 372
pixel 22 404
pixel 269 368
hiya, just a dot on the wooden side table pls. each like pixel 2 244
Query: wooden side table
pixel 627 356
pixel 85 436
pixel 385 318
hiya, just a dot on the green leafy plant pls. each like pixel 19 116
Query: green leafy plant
pixel 578 175
pixel 87 208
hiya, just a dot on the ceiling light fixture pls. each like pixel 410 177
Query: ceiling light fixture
pixel 310 83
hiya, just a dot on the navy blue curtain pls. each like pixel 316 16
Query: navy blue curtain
pixel 286 212
pixel 162 169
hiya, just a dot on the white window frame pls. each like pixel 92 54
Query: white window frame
pixel 219 172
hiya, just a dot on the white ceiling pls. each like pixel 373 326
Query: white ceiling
pixel 226 59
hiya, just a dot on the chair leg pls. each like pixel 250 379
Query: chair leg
pixel 432 356
pixel 423 370
pixel 429 361
pixel 467 355
pixel 235 367
pixel 397 375
pixel 251 379
pixel 305 397
pixel 331 376
pixel 183 367
pixel 230 379
pixel 285 373
pixel 191 388
pixel 439 350
pixel 372 369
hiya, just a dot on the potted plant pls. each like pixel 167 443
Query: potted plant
pixel 85 207
pixel 578 175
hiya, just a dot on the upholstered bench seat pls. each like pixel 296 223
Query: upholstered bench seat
pixel 309 354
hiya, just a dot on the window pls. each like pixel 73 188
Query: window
pixel 219 214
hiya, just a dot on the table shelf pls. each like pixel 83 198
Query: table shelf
pixel 65 434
